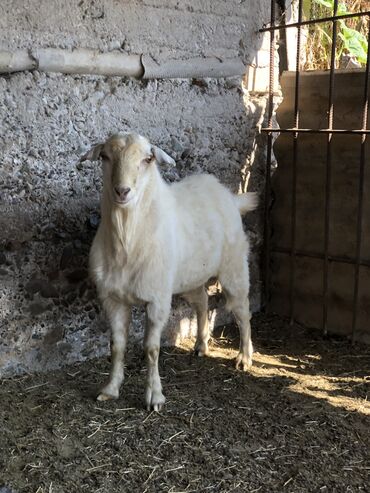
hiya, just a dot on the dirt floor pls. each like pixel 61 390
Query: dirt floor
pixel 297 422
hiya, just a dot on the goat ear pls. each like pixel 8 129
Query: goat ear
pixel 162 157
pixel 93 154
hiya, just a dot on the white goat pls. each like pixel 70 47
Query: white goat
pixel 156 240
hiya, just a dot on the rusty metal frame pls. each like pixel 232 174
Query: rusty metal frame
pixel 295 130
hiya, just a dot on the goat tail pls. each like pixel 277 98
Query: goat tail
pixel 246 202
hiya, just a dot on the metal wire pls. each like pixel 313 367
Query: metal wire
pixel 314 21
pixel 328 175
pixel 315 131
pixel 361 191
pixel 294 170
pixel 267 232
pixel 320 256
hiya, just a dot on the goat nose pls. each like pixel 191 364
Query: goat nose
pixel 122 192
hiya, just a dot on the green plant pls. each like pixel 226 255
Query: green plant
pixel 351 38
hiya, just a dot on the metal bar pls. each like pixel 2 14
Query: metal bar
pixel 315 131
pixel 294 169
pixel 282 46
pixel 267 230
pixel 320 256
pixel 315 21
pixel 361 192
pixel 328 174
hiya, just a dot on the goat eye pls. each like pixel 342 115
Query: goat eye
pixel 148 160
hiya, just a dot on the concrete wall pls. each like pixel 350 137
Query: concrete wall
pixel 49 207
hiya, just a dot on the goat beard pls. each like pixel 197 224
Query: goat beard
pixel 124 225
pixel 127 221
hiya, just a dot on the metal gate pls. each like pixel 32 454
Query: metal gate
pixel 329 130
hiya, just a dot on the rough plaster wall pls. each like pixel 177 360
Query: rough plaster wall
pixel 49 207
pixel 163 28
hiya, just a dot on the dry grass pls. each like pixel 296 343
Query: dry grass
pixel 298 421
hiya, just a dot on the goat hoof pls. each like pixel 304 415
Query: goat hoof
pixel 243 362
pixel 201 349
pixel 107 394
pixel 155 401
pixel 105 397
pixel 155 407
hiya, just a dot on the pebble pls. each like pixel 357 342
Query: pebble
pixel 38 308
pixel 34 286
pixel 13 245
pixel 93 220
pixel 66 258
pixel 49 291
pixel 185 153
pixel 53 275
pixel 176 145
pixel 6 489
pixel 42 286
pixel 77 275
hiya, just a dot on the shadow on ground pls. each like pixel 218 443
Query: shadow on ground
pixel 297 422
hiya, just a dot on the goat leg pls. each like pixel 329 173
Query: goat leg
pixel 119 316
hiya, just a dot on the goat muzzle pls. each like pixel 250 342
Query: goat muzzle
pixel 121 193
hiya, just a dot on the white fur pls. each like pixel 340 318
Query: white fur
pixel 167 239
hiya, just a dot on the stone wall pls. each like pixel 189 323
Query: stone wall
pixel 49 206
